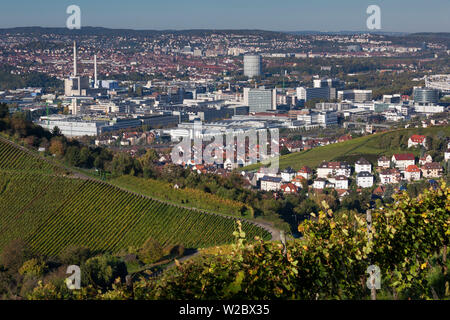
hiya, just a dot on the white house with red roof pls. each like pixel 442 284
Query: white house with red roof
pixel 342 193
pixel 425 159
pixel 412 172
pixel 298 181
pixel 403 160
pixel 289 188
pixel 416 140
pixel 305 172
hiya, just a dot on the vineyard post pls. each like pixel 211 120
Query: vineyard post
pixel 373 290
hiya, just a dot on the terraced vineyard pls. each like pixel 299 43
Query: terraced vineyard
pixel 51 212
pixel 12 158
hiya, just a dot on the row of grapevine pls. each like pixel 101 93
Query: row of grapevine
pixel 13 158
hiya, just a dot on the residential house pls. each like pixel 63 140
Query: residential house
pixel 289 188
pixel 417 140
pixel 330 185
pixel 364 179
pixel 336 168
pixel 340 182
pixel 263 171
pixel 402 161
pixel 390 176
pixel 269 183
pixel 363 165
pixel 250 177
pixel 294 146
pixel 384 162
pixel 319 183
pixel 288 174
pixel 432 170
pixel 305 172
pixel 412 172
pixel 345 138
pixel 425 159
pixel 379 191
pixel 342 193
pixel 298 181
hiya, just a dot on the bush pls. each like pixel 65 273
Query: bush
pixel 33 268
pixel 75 255
pixel 101 271
pixel 14 255
pixel 151 251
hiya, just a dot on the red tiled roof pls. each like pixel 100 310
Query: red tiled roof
pixel 392 171
pixel 340 192
pixel 305 169
pixel 431 166
pixel 404 156
pixel 291 186
pixel 379 190
pixel 412 168
pixel 417 138
pixel 345 138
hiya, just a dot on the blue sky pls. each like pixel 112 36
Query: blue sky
pixel 281 15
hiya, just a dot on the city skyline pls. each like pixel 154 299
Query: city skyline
pixel 288 15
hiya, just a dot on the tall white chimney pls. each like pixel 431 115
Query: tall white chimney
pixel 95 72
pixel 74 59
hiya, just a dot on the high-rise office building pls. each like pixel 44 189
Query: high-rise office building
pixel 252 65
pixel 355 95
pixel 260 100
pixel 306 94
pixel 425 95
pixel 328 82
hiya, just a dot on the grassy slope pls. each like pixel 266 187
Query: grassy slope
pixel 187 197
pixel 51 211
pixel 367 146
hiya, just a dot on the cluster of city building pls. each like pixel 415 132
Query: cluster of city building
pixel 205 54
pixel 102 107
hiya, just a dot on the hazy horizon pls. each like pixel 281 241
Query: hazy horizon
pixel 285 16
